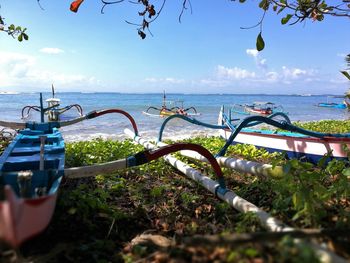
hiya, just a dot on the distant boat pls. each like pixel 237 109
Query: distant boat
pixel 335 105
pixel 258 108
pixel 332 105
pixel 169 108
pixel 8 92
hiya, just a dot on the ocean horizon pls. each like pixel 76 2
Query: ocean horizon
pixel 299 108
pixel 13 92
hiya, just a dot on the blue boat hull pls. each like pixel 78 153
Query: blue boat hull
pixel 30 175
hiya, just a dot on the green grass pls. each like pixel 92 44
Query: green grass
pixel 96 218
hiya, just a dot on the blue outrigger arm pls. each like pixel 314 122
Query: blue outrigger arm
pixel 191 120
pixel 215 126
pixel 284 124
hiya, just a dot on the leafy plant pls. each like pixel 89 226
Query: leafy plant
pixel 14 31
pixel 326 126
pixel 293 252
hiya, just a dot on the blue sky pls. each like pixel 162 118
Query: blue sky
pixel 206 53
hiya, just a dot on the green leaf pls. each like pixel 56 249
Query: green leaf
pixel 264 4
pixel 20 38
pixel 260 44
pixel 281 9
pixel 286 19
pixel 346 172
pixel 346 74
pixel 25 36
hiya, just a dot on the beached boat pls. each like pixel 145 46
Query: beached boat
pixel 169 108
pixel 32 167
pixel 257 108
pixel 294 141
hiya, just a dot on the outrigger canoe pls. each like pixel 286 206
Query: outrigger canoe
pixel 32 167
pixel 293 141
pixel 170 108
pixel 332 105
pixel 257 108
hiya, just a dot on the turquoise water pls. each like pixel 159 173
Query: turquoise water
pixel 300 108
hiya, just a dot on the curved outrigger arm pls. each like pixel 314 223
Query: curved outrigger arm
pixel 191 120
pixel 94 114
pixel 13 125
pixel 142 158
pixel 158 109
pixel 77 106
pixel 28 108
pixel 271 116
pixel 191 108
pixel 247 122
pixel 90 115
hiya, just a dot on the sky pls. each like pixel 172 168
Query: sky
pixel 207 52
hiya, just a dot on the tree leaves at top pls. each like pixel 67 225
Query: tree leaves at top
pixel 298 11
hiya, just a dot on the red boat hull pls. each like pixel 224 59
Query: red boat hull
pixel 21 219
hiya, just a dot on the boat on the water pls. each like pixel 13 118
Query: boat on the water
pixel 258 108
pixel 293 141
pixel 169 108
pixel 332 105
pixel 335 105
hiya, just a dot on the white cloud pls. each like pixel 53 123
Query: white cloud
pixel 51 50
pixel 272 76
pixel 252 52
pixel 296 73
pixel 245 81
pixel 22 71
pixel 233 73
pixel 260 62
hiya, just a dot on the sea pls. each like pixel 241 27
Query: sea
pixel 111 126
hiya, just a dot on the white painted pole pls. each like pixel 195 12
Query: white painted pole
pixel 93 170
pixel 239 165
pixel 236 201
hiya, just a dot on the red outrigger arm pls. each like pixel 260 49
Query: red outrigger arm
pixel 94 114
pixel 142 158
pixel 150 155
